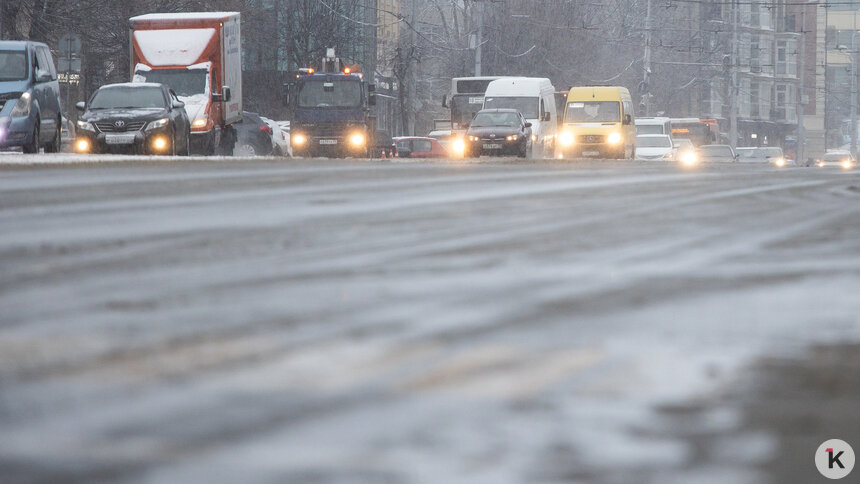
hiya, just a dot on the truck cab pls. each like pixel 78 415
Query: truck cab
pixel 331 113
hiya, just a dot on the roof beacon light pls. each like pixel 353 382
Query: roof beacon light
pixel 346 70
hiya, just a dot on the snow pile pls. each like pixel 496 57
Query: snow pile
pixel 174 47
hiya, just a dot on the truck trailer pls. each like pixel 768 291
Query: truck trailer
pixel 199 56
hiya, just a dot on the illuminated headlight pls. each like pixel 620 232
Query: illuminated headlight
pixel 22 107
pixel 534 137
pixel 159 123
pixel 669 155
pixel 459 146
pixel 780 162
pixel 820 163
pixel 566 138
pixel 159 143
pixel 298 139
pixel 86 126
pixel 689 158
pixel 614 138
pixel 473 138
pixel 200 122
pixel 846 164
pixel 356 140
pixel 82 146
pixel 512 137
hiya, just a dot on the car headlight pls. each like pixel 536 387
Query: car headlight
pixel 86 126
pixel 22 107
pixel 159 123
pixel 472 138
pixel 689 158
pixel 200 122
pixel 356 140
pixel 669 155
pixel 614 138
pixel 534 137
pixel 298 139
pixel 566 138
pixel 780 162
pixel 82 145
pixel 846 164
pixel 459 146
pixel 512 137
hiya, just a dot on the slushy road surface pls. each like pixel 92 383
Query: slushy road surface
pixel 316 321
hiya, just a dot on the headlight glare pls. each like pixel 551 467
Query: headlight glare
pixel 459 146
pixel 566 138
pixel 200 122
pixel 298 139
pixel 356 140
pixel 614 138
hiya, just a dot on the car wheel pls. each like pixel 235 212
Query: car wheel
pixel 33 146
pixel 245 149
pixel 54 145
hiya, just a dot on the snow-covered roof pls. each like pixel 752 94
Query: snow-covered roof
pixel 131 84
pixel 173 47
pixel 185 16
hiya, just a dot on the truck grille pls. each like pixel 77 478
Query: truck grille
pixel 111 127
pixel 591 138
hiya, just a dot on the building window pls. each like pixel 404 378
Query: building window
pixel 754 100
pixel 786 57
pixel 783 107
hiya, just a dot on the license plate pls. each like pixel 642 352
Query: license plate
pixel 590 153
pixel 328 141
pixel 492 146
pixel 119 139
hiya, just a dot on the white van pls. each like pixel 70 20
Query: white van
pixel 656 125
pixel 534 97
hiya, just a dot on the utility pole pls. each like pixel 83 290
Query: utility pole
pixel 853 94
pixel 800 151
pixel 480 36
pixel 646 77
pixel 733 88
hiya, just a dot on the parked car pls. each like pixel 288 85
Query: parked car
pixel 499 132
pixel 255 136
pixel 841 158
pixel 717 153
pixel 419 147
pixel 653 147
pixel 29 98
pixel 141 118
pixel 761 154
pixel 280 139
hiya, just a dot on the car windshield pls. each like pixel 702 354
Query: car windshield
pixel 649 129
pixel 528 106
pixel 653 142
pixel 185 82
pixel 486 120
pixel 464 107
pixel 593 112
pixel 716 151
pixel 321 94
pixel 13 65
pixel 128 97
pixel 836 156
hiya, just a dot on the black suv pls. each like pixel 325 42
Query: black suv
pixel 140 118
pixel 499 132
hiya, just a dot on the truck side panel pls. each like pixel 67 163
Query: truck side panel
pixel 232 67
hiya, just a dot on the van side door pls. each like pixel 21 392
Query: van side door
pixel 46 91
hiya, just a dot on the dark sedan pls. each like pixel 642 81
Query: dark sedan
pixel 499 132
pixel 254 136
pixel 139 118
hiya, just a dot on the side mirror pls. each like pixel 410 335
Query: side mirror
pixel 178 104
pixel 628 119
pixel 81 106
pixel 547 116
pixel 226 94
pixel 43 76
pixel 528 125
